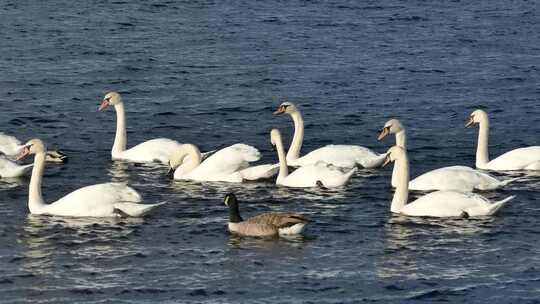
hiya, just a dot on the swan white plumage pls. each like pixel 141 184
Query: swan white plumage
pixel 436 204
pixel 313 175
pixel 155 150
pixel 459 178
pixel 11 146
pixel 101 200
pixel 519 159
pixel 225 165
pixel 9 169
pixel 345 156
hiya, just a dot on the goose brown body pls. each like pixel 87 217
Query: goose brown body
pixel 263 225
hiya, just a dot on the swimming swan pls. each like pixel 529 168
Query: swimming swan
pixel 319 174
pixel 519 159
pixel 225 165
pixel 345 156
pixel 102 200
pixel 154 150
pixel 459 178
pixel 439 203
pixel 265 224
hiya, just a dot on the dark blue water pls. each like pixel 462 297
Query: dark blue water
pixel 211 73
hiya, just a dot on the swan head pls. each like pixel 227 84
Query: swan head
pixel 110 99
pixel 33 146
pixel 476 117
pixel 286 107
pixel 393 154
pixel 187 155
pixel 392 126
pixel 275 136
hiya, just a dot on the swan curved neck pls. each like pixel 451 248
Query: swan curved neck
pixel 482 152
pixel 298 138
pixel 35 198
pixel 283 169
pixel 120 140
pixel 401 141
pixel 191 158
pixel 401 195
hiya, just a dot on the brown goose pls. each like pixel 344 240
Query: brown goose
pixel 265 224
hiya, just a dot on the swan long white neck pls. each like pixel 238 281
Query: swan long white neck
pixel 401 141
pixel 35 198
pixel 120 140
pixel 283 169
pixel 401 195
pixel 298 138
pixel 482 153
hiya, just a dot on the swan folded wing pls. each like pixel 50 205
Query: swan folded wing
pixel 458 178
pixel 9 145
pixel 159 149
pixel 517 159
pixel 260 172
pixel 309 176
pixel 448 204
pixel 95 200
pixel 345 156
pixel 228 160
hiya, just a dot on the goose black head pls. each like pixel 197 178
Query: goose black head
pixel 231 202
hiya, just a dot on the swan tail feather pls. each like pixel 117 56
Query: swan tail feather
pixel 493 208
pixel 508 181
pixel 134 209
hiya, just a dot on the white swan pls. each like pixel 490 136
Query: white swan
pixel 102 200
pixel 9 169
pixel 346 156
pixel 439 203
pixel 155 150
pixel 11 146
pixel 519 159
pixel 459 178
pixel 313 175
pixel 225 165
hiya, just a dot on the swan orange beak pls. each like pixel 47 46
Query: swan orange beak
pixel 385 131
pixel 386 160
pixel 280 110
pixel 104 105
pixel 24 153
pixel 469 123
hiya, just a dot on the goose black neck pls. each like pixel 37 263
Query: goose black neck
pixel 234 213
